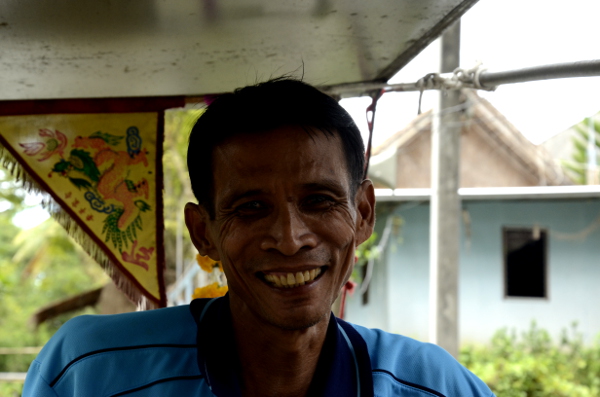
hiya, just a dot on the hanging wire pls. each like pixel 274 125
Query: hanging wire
pixel 371 110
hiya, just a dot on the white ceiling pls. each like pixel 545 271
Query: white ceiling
pixel 113 48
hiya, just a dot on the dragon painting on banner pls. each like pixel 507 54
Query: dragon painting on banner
pixel 101 169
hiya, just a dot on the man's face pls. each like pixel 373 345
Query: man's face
pixel 285 225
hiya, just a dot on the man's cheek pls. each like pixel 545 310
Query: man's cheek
pixel 226 228
pixel 344 220
pixel 234 237
pixel 342 234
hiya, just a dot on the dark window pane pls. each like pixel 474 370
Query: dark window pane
pixel 525 261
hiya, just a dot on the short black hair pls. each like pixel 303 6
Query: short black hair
pixel 263 107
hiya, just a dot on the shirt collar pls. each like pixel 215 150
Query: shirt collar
pixel 343 369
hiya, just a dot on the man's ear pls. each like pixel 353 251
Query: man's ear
pixel 196 220
pixel 365 206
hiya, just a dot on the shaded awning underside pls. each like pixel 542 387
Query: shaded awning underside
pixel 102 48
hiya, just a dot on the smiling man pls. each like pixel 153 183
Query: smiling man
pixel 277 170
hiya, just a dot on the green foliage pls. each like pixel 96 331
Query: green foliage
pixel 11 195
pixel 365 252
pixel 177 187
pixel 37 266
pixel 576 167
pixel 534 366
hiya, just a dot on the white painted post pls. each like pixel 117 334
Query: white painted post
pixel 445 206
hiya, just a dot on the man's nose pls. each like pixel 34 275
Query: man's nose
pixel 289 232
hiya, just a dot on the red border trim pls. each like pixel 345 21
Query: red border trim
pixel 160 224
pixel 90 105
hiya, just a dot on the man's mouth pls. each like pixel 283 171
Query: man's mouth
pixel 291 280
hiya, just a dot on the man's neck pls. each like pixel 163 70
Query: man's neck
pixel 275 361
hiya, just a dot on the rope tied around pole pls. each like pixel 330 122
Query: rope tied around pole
pixel 461 78
pixel 470 78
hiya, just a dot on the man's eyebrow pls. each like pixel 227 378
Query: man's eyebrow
pixel 332 185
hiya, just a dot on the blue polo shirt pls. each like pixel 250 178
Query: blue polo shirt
pixel 190 351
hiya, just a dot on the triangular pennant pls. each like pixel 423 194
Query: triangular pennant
pixel 103 175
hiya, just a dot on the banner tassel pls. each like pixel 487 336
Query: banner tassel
pixel 73 229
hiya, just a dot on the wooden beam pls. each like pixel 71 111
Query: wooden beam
pixel 89 298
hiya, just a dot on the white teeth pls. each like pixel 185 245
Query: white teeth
pixel 291 280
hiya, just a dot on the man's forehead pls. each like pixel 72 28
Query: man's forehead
pixel 287 143
pixel 258 160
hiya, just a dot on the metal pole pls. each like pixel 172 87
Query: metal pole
pixel 445 208
pixel 545 72
pixel 588 68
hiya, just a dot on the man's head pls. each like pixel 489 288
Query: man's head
pixel 266 106
pixel 285 206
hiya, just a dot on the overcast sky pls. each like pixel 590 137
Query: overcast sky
pixel 507 35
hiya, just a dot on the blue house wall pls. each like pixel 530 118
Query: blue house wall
pixel 399 291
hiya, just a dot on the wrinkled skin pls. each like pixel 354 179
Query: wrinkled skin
pixel 283 203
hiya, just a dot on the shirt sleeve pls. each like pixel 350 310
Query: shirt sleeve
pixel 35 384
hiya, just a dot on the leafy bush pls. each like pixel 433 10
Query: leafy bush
pixel 534 366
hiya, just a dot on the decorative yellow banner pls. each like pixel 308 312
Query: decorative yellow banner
pixel 104 172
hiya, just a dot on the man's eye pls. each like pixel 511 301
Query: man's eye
pixel 251 206
pixel 319 201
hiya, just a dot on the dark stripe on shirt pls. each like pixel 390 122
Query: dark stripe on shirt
pixel 193 377
pixel 112 349
pixel 416 386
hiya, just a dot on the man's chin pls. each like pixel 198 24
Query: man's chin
pixel 298 323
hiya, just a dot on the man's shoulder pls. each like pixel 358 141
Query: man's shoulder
pixel 92 332
pixel 383 344
pixel 400 363
pixel 108 339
